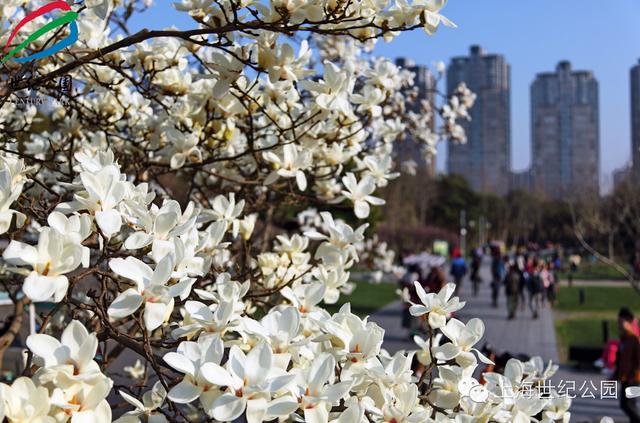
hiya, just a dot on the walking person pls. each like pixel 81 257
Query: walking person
pixel 521 266
pixel 536 289
pixel 512 290
pixel 553 282
pixel 545 277
pixel 497 272
pixel 458 269
pixel 574 262
pixel 436 280
pixel 628 363
pixel 527 280
pixel 476 262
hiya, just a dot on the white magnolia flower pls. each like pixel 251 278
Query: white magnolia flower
pixel 26 402
pixel 333 90
pixel 145 409
pixel 11 184
pixel 335 280
pixel 247 225
pixel 189 360
pixel 462 339
pixel 426 355
pixel 85 402
pixel 103 191
pixel 446 392
pixel 401 405
pixel 369 100
pixel 249 380
pixel 360 194
pixel 162 224
pixel 341 235
pixel 438 306
pixel 73 354
pixel 305 297
pixel 355 339
pixel 137 371
pixel 280 328
pixel 53 257
pixel 155 164
pixel 150 289
pixel 75 229
pixel 291 165
pixel 316 390
pixel 226 210
pixel 214 319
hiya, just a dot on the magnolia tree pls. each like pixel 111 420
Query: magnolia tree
pixel 178 207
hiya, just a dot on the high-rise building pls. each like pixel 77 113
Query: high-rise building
pixel 485 159
pixel 520 181
pixel 621 175
pixel 635 121
pixel 424 89
pixel 565 149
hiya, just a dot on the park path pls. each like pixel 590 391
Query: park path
pixel 522 335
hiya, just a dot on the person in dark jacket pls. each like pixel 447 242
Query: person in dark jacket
pixel 628 363
pixel 536 288
pixel 497 273
pixel 436 279
pixel 458 270
pixel 512 289
pixel 476 263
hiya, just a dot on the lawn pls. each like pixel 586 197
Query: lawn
pixel 598 298
pixel 581 325
pixel 582 331
pixel 366 298
pixel 595 271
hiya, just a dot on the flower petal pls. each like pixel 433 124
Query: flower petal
pixel 184 392
pixel 125 304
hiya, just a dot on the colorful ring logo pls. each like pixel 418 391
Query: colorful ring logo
pixel 68 18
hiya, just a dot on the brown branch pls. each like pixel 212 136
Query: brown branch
pixel 602 258
pixel 14 329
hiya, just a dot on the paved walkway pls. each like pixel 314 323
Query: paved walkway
pixel 611 283
pixel 520 335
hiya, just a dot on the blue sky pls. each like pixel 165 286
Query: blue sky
pixel 601 36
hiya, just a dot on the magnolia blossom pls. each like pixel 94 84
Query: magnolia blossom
pixel 73 354
pixel 317 389
pixel 103 190
pixel 438 306
pixel 11 184
pixel 150 289
pixel 145 409
pixel 360 194
pixel 68 383
pixel 290 166
pixel 249 380
pixel 189 360
pixel 50 261
pixel 23 401
pixel 463 337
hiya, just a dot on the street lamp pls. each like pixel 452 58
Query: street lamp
pixel 463 231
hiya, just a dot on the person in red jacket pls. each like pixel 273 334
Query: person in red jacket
pixel 628 362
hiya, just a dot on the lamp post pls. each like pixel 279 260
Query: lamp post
pixel 463 231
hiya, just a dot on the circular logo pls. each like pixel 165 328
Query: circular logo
pixel 465 385
pixel 479 394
